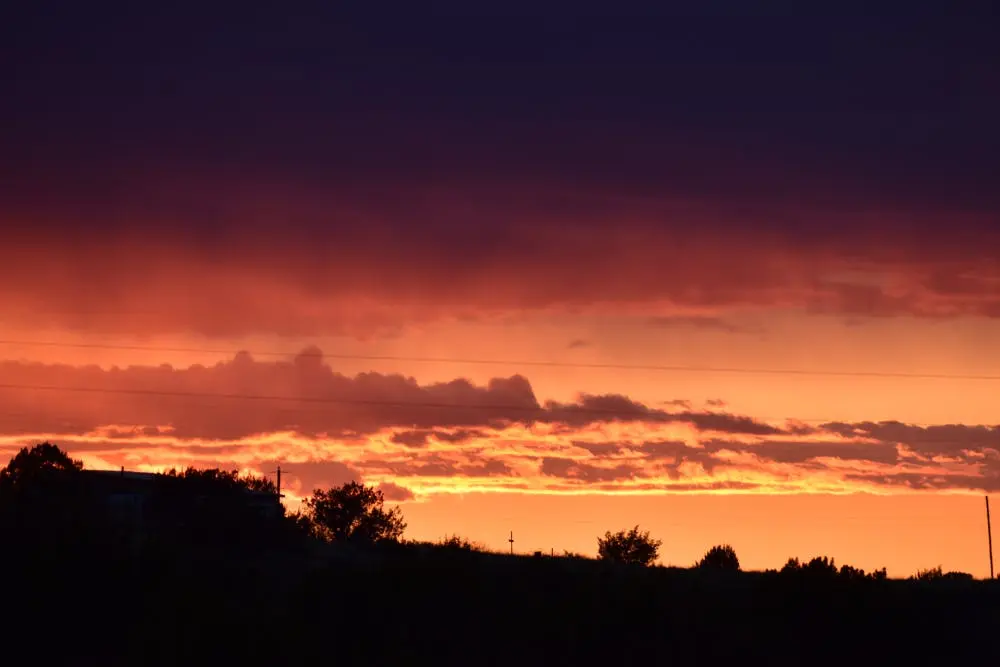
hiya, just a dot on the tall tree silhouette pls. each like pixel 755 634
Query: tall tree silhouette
pixel 43 499
pixel 632 547
pixel 353 512
pixel 41 464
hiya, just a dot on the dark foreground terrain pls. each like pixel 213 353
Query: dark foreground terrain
pixel 205 575
pixel 408 604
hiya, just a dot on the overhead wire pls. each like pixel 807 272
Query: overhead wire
pixel 674 368
pixel 654 414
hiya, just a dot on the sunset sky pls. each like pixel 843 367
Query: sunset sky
pixel 734 277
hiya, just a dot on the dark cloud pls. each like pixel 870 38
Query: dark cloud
pixel 696 321
pixel 420 437
pixel 682 487
pixel 867 301
pixel 658 449
pixel 678 454
pixel 217 451
pixel 928 441
pixel 395 492
pixel 578 343
pixel 779 451
pixel 148 282
pixel 436 466
pixel 726 423
pixel 931 482
pixel 412 438
pixel 587 473
pixel 601 449
pixel 307 396
pixel 618 407
pixel 162 171
pixel 807 96
pixel 313 474
pixel 798 452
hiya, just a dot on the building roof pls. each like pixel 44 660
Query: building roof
pixel 130 481
pixel 123 474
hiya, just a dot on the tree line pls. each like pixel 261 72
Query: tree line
pixel 43 496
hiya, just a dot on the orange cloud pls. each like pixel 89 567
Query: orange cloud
pixel 325 428
pixel 304 395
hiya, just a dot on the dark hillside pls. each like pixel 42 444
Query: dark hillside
pixel 403 604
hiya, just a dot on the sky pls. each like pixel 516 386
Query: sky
pixel 552 269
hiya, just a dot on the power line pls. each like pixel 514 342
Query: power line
pixel 516 362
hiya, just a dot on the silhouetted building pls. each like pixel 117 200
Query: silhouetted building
pixel 127 494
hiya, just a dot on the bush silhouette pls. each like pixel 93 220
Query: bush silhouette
pixel 819 567
pixel 631 547
pixel 460 543
pixel 937 574
pixel 352 512
pixel 851 573
pixel 720 557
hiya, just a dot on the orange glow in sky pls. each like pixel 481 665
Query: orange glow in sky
pixel 734 280
pixel 904 500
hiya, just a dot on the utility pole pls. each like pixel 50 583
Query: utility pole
pixel 278 485
pixel 989 534
pixel 511 540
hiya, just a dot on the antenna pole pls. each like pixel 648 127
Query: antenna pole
pixel 989 534
pixel 511 540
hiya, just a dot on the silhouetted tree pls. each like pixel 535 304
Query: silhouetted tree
pixel 928 574
pixel 825 568
pixel 851 573
pixel 43 463
pixel 721 557
pixel 633 547
pixel 302 524
pixel 43 499
pixel 819 567
pixel 353 512
pixel 791 566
